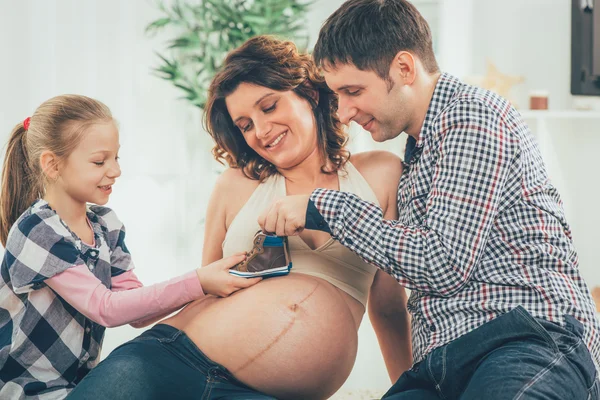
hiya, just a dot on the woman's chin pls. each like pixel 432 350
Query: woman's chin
pixel 286 162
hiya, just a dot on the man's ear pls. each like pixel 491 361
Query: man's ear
pixel 404 67
pixel 50 165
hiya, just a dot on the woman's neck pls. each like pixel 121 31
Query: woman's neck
pixel 71 211
pixel 308 174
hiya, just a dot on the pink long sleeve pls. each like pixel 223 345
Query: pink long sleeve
pixel 80 288
pixel 126 281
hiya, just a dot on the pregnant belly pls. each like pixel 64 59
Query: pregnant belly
pixel 292 337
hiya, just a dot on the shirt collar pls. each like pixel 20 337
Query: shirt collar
pixel 445 88
pixel 443 93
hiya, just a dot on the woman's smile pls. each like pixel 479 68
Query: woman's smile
pixel 277 143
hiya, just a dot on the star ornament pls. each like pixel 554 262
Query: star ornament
pixel 496 81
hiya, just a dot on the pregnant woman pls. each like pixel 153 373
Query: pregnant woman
pixel 292 337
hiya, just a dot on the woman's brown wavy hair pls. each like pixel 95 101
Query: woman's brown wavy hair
pixel 275 64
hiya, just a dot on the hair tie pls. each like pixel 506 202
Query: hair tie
pixel 26 123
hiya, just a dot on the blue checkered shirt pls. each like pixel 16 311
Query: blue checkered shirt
pixel 46 346
pixel 481 229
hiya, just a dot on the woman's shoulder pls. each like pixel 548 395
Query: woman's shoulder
pixel 377 164
pixel 233 183
pixel 382 171
pixel 230 192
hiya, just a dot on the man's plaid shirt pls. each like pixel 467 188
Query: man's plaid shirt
pixel 481 229
pixel 47 346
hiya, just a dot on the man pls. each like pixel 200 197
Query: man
pixel 499 308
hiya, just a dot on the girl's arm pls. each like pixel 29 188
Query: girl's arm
pixel 129 302
pixel 127 281
pixel 80 288
pixel 387 298
pixel 231 191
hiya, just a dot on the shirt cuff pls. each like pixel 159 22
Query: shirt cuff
pixel 314 219
pixel 193 285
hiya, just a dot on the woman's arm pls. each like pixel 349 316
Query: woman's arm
pixel 387 299
pixel 391 322
pixel 229 195
pixel 214 223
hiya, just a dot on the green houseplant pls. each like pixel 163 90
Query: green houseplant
pixel 206 30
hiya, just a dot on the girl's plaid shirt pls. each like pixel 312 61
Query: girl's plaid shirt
pixel 46 346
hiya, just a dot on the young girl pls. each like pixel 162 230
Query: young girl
pixel 66 272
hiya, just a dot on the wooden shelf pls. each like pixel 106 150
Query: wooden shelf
pixel 560 114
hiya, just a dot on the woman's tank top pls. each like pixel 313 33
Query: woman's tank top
pixel 331 261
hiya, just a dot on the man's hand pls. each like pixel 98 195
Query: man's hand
pixel 285 217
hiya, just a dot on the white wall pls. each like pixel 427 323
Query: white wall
pixel 98 48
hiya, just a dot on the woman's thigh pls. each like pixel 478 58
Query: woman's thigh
pixel 415 394
pixel 141 369
pixel 162 363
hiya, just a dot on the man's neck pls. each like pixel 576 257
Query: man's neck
pixel 426 88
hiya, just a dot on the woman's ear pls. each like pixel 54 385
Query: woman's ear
pixel 50 165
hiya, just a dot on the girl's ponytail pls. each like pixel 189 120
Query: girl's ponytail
pixel 19 186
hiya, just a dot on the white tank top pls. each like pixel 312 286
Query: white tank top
pixel 331 261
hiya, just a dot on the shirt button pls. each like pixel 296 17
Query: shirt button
pixel 87 330
pixel 432 328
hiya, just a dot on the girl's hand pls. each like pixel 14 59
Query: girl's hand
pixel 216 279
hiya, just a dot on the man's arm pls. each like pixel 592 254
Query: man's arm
pixel 476 155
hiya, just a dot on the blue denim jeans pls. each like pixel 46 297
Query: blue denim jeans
pixel 161 363
pixel 514 356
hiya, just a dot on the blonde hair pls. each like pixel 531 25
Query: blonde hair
pixel 58 126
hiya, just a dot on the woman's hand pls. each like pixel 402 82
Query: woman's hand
pixel 216 279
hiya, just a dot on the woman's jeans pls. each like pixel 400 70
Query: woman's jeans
pixel 161 363
pixel 514 356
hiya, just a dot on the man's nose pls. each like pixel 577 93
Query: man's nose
pixel 346 111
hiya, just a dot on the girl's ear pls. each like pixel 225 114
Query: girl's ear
pixel 50 165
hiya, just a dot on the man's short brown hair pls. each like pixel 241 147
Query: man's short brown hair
pixel 369 34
